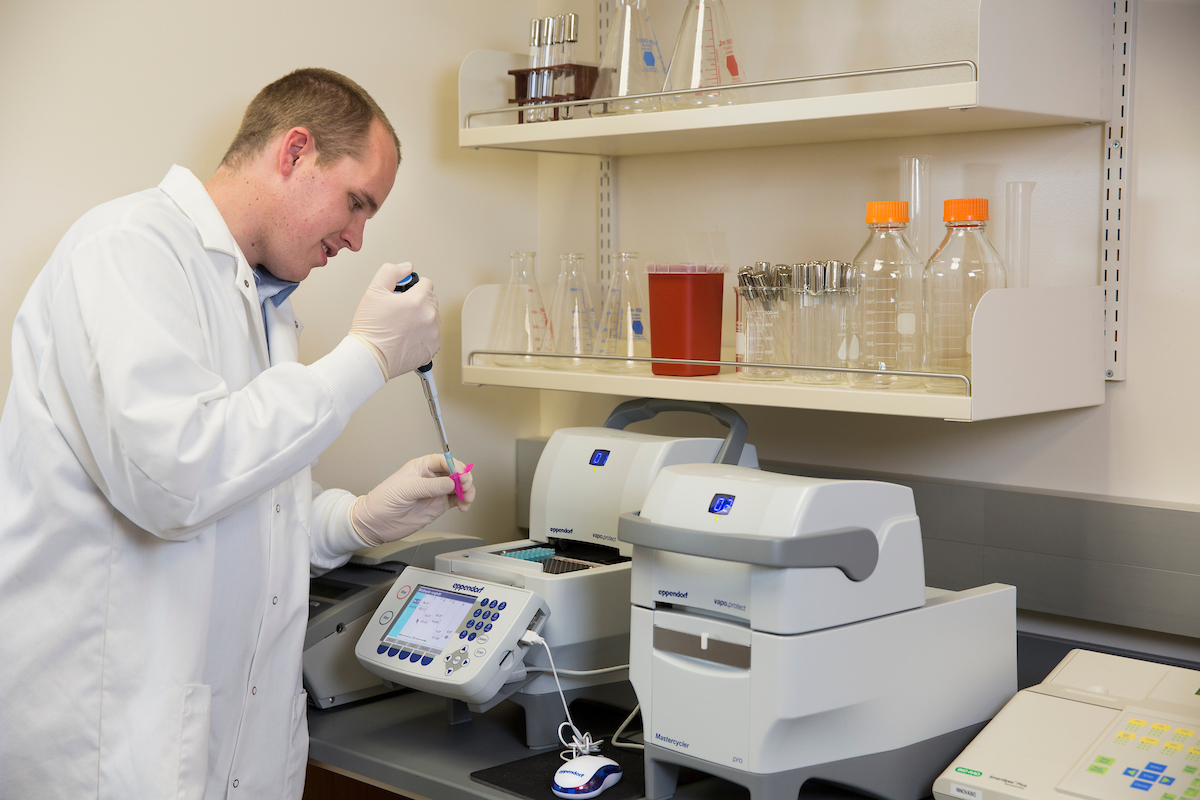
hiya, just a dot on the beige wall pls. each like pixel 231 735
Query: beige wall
pixel 99 99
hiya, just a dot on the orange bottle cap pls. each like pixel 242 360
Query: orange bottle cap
pixel 965 209
pixel 888 211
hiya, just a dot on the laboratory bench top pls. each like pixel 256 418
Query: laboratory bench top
pixel 405 743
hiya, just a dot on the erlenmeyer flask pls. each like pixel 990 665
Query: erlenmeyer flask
pixel 572 315
pixel 632 63
pixel 624 325
pixel 522 324
pixel 703 59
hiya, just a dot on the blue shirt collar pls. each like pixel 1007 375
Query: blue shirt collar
pixel 271 287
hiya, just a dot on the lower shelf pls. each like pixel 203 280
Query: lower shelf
pixel 1035 350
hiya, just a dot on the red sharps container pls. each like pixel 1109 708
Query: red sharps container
pixel 685 316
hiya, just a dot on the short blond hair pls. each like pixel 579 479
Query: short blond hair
pixel 335 110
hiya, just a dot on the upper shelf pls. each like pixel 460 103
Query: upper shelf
pixel 1038 64
pixel 1035 350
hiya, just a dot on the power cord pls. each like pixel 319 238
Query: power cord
pixel 627 745
pixel 581 744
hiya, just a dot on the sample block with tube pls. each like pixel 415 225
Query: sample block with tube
pixel 781 632
pixel 1099 727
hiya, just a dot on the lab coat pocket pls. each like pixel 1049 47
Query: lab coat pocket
pixel 193 741
pixel 298 750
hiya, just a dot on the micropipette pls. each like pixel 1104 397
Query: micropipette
pixel 430 388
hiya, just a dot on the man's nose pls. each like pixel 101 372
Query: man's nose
pixel 353 236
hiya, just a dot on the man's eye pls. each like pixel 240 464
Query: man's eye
pixel 355 205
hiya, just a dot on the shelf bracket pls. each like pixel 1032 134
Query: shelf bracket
pixel 1114 245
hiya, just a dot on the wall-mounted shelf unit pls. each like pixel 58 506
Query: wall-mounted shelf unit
pixel 1038 64
pixel 1035 350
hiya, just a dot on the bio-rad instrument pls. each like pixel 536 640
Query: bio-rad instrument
pixel 781 631
pixel 1099 727
pixel 449 636
pixel 340 604
pixel 586 478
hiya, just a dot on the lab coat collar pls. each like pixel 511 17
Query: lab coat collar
pixel 186 190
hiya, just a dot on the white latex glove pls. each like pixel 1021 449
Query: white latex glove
pixel 414 496
pixel 401 329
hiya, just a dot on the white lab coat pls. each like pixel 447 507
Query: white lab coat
pixel 156 514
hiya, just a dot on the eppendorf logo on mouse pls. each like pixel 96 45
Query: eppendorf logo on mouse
pixel 572 772
pixel 465 588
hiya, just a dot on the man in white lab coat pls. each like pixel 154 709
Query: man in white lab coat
pixel 158 521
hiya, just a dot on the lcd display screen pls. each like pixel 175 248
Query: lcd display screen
pixel 721 504
pixel 429 620
pixel 599 458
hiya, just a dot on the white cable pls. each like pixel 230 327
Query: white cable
pixel 577 673
pixel 627 745
pixel 581 744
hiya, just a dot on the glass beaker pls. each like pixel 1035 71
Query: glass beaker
pixel 572 315
pixel 703 60
pixel 963 268
pixel 631 64
pixel 818 321
pixel 522 324
pixel 889 301
pixel 762 321
pixel 624 325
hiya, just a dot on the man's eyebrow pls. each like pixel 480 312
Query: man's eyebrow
pixel 370 201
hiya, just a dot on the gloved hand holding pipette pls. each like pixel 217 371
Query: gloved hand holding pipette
pixel 411 498
pixel 399 328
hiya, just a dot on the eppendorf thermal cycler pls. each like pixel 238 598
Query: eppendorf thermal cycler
pixel 782 631
pixel 572 564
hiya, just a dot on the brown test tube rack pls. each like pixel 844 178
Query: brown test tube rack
pixel 585 81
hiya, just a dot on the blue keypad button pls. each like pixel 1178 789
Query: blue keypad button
pixel 483 603
pixel 487 627
pixel 495 617
pixel 1143 785
pixel 492 604
pixel 1166 780
pixel 415 657
pixel 478 611
pixel 381 649
pixel 426 661
pixel 462 634
pixel 1149 776
pixel 1156 767
pixel 393 651
pixel 404 654
pixel 471 623
pixel 487 615
pixel 471 638
pixel 1131 771
pixel 502 606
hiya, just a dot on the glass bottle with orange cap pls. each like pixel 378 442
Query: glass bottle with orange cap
pixel 889 302
pixel 961 270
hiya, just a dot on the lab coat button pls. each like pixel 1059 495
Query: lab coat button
pixel 275 600
pixel 247 286
pixel 253 690
pixel 235 783
pixel 277 507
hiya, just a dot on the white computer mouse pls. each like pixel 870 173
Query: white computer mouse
pixel 585 776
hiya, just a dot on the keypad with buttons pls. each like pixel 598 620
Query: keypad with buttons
pixel 1141 755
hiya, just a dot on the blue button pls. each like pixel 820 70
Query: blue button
pixel 462 634
pixel 496 616
pixel 393 651
pixel 1131 771
pixel 478 611
pixel 381 649
pixel 471 623
pixel 415 657
pixel 1149 776
pixel 483 603
pixel 1156 767
pixel 492 604
pixel 1167 780
pixel 1141 785
pixel 487 627
pixel 471 638
pixel 502 606
pixel 426 661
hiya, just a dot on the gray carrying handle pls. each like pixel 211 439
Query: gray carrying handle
pixel 648 408
pixel 855 551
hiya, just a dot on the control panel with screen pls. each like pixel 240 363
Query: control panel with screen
pixel 721 504
pixel 599 458
pixel 448 635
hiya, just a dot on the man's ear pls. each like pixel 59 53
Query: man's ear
pixel 295 145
